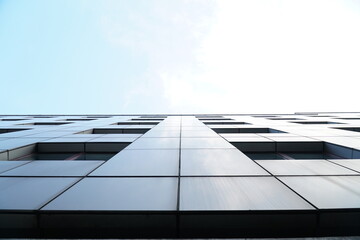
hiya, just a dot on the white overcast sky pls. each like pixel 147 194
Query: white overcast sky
pixel 160 56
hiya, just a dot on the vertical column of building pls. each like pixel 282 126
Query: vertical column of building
pixel 169 130
pixel 202 152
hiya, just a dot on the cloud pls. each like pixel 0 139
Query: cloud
pixel 283 56
pixel 244 56
pixel 167 34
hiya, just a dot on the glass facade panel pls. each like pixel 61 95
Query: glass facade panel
pixel 304 167
pixel 119 194
pixel 7 165
pixel 352 164
pixel 205 143
pixel 27 193
pixel 217 162
pixel 327 192
pixel 237 193
pixel 189 133
pixel 155 143
pixel 141 163
pixel 54 168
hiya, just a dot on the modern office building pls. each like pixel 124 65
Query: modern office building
pixel 180 176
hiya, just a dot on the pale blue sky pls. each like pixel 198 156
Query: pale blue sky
pixel 160 56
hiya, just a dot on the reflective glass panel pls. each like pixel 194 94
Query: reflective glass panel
pixel 217 162
pixel 152 194
pixel 304 167
pixel 30 193
pixel 327 192
pixel 237 193
pixel 54 168
pixel 160 162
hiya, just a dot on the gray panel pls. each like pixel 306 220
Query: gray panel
pixel 124 135
pixel 54 168
pixel 224 129
pixel 262 156
pixel 112 139
pixel 235 136
pixel 356 154
pixel 253 130
pixel 137 130
pixel 304 167
pixel 7 165
pixel 61 147
pixel 217 162
pixel 189 133
pixel 159 162
pixel 329 192
pixel 299 146
pixel 139 127
pixel 162 133
pixel 260 146
pixel 28 193
pixel 205 143
pixel 353 164
pixel 153 194
pixel 22 151
pixel 105 147
pixel 50 134
pixel 237 193
pixel 194 128
pixel 70 139
pixel 155 143
pixel 3 155
pixel 340 151
pixel 18 142
pixel 108 131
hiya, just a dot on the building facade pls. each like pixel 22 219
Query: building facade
pixel 188 176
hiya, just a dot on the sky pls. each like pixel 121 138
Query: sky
pixel 179 56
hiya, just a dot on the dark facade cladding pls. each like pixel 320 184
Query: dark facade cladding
pixel 180 176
